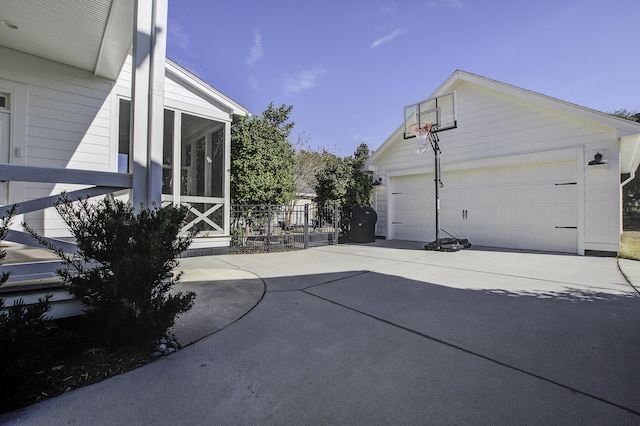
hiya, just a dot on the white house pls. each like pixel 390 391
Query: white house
pixel 515 172
pixel 90 104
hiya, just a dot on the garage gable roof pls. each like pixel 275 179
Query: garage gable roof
pixel 624 127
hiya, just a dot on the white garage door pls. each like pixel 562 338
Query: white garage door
pixel 528 206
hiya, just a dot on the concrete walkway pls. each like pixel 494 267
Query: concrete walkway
pixel 386 333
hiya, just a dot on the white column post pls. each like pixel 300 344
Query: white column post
pixel 227 179
pixel 147 94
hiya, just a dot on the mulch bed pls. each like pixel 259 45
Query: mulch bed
pixel 74 368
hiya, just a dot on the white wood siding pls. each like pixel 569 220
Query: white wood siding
pixel 68 113
pixel 176 96
pixel 179 97
pixel 68 126
pixel 492 125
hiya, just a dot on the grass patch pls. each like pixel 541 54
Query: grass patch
pixel 630 245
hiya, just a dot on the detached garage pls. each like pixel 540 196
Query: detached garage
pixel 515 173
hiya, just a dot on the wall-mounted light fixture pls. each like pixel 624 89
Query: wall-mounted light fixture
pixel 377 182
pixel 598 160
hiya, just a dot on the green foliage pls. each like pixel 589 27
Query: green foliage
pixel 631 204
pixel 344 182
pixel 332 182
pixel 25 338
pixel 263 160
pixel 123 269
pixel 359 190
pixel 631 191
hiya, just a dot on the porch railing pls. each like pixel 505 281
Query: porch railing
pixel 271 228
pixel 96 184
pixel 205 214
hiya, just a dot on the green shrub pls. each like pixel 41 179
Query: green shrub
pixel 123 269
pixel 25 338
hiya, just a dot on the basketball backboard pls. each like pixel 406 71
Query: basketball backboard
pixel 439 110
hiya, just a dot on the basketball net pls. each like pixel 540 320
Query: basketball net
pixel 422 132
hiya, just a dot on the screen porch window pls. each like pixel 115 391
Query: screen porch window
pixel 201 158
pixel 193 166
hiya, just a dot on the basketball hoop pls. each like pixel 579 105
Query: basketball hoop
pixel 424 135
pixel 422 132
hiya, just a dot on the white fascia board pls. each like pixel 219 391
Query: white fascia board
pixel 205 89
pixel 386 145
pixel 116 40
pixel 629 153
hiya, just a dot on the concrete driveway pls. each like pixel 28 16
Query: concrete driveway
pixel 387 333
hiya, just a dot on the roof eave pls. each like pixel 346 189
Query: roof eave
pixel 116 40
pixel 629 153
pixel 213 94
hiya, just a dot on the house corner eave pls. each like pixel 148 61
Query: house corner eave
pixel 204 89
pixel 629 153
pixel 116 40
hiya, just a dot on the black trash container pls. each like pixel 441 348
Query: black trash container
pixel 363 225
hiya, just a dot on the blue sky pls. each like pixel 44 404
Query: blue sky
pixel 349 67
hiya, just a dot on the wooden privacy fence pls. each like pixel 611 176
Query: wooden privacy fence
pixel 271 228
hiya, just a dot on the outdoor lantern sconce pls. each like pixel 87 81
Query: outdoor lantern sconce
pixel 377 182
pixel 598 160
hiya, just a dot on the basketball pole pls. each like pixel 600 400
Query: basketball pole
pixel 433 138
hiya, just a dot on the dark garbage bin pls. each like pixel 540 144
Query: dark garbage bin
pixel 363 225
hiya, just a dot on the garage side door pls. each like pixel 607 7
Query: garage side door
pixel 411 208
pixel 546 210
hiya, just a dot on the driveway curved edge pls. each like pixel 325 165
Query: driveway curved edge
pixel 223 296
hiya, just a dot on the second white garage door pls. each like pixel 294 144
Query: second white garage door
pixel 526 206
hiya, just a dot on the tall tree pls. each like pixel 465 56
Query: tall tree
pixel 309 161
pixel 343 181
pixel 332 182
pixel 359 190
pixel 262 158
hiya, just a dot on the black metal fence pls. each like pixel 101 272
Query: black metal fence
pixel 271 228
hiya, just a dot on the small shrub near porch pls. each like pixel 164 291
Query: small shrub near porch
pixel 122 271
